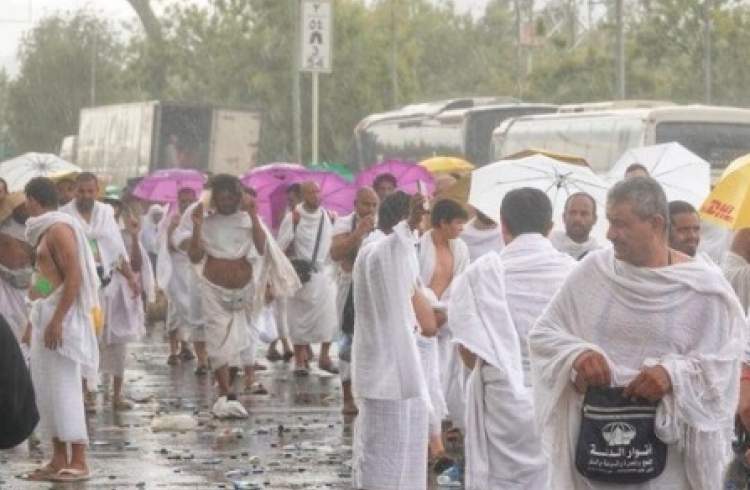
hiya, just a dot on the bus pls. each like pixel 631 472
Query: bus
pixel 455 127
pixel 716 134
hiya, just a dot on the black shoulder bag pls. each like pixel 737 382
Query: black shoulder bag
pixel 617 442
pixel 305 268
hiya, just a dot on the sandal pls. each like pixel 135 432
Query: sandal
pixel 173 360
pixel 260 367
pixel 187 355
pixel 201 370
pixel 71 475
pixel 301 372
pixel 287 356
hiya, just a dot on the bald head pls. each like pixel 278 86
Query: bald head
pixel 310 195
pixel 366 202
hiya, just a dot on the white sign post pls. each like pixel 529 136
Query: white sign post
pixel 317 40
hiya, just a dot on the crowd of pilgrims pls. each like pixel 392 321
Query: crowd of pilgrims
pixel 555 360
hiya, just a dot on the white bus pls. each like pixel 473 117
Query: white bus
pixel 717 134
pixel 456 127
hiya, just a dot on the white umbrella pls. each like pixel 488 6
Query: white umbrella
pixel 490 184
pixel 684 175
pixel 19 170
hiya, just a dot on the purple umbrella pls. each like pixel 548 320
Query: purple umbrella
pixel 407 173
pixel 270 182
pixel 162 185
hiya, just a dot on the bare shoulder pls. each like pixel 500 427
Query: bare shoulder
pixel 60 235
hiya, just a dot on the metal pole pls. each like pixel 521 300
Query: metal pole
pixel 93 71
pixel 315 114
pixel 394 57
pixel 707 51
pixel 519 54
pixel 620 53
pixel 296 89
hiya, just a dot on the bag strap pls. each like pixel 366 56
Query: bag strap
pixel 317 238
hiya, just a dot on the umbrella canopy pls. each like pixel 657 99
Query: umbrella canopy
pixel 163 185
pixel 338 168
pixel 270 182
pixel 558 180
pixel 684 175
pixel 19 170
pixel 409 176
pixel 736 165
pixel 728 204
pixel 446 165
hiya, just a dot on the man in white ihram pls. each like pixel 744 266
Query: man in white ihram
pixel 579 216
pixel 306 233
pixel 493 306
pixel 63 343
pixel 667 328
pixel 390 311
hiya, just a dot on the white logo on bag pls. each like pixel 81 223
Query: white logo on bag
pixel 618 433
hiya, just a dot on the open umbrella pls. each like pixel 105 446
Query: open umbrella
pixel 338 168
pixel 684 175
pixel 21 169
pixel 736 165
pixel 446 165
pixel 728 204
pixel 408 175
pixel 162 185
pixel 558 180
pixel 270 183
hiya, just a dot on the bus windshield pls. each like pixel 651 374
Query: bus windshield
pixel 717 143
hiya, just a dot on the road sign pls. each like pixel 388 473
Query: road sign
pixel 317 36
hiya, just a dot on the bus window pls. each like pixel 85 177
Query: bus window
pixel 480 124
pixel 409 140
pixel 717 143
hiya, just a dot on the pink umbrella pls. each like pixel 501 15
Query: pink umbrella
pixel 408 175
pixel 162 185
pixel 271 182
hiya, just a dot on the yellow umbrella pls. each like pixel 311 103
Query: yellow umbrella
pixel 446 165
pixel 729 202
pixel 735 165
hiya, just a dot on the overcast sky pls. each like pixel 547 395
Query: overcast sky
pixel 18 16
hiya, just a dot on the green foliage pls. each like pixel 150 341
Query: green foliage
pixel 55 78
pixel 241 52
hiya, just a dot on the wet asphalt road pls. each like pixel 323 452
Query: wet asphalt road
pixel 295 437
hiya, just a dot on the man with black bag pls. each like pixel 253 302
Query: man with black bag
pixel 305 234
pixel 17 401
pixel 636 362
pixel 348 234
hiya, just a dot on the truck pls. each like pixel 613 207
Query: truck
pixel 125 141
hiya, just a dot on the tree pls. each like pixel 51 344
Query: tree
pixel 54 82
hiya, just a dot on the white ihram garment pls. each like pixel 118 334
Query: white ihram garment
pixel 444 370
pixel 483 241
pixel 173 276
pixel 737 271
pixel 13 299
pixel 126 315
pixel 311 312
pixel 104 231
pixel 565 244
pixel 188 301
pixel 229 313
pixel 684 317
pixel 493 306
pixel 57 373
pixel 390 434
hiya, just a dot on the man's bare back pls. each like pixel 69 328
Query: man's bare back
pixel 443 273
